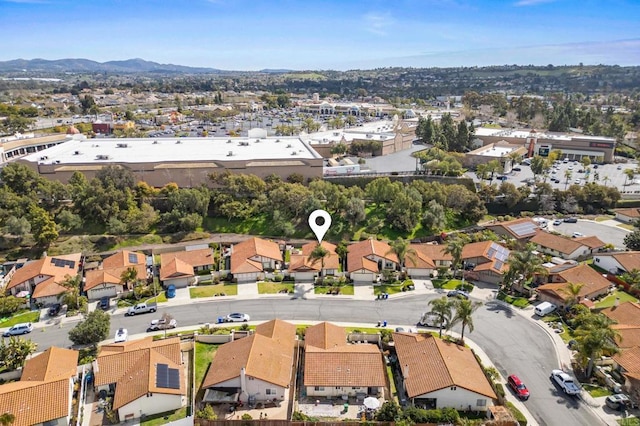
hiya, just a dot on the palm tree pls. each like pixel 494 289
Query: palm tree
pixel 72 296
pixel 567 176
pixel 454 247
pixel 629 175
pixel 632 278
pixel 573 291
pixel 605 180
pixel 128 276
pixel 464 315
pixel 318 253
pixel 523 262
pixel 442 307
pixel 595 337
pixel 403 250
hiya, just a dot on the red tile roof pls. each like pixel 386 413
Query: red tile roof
pixel 242 254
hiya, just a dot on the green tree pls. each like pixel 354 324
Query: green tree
pixel 92 330
pixel 7 419
pixel 443 307
pixel 573 291
pixel 355 212
pixel 595 336
pixel 18 226
pixel 72 297
pixel 525 263
pixel 68 221
pixel 538 165
pixel 454 247
pixel 20 179
pixel 632 278
pixel 42 226
pixel 14 351
pixel 319 253
pixel 434 218
pixel 632 240
pixel 464 315
pixel 629 174
pixel 207 413
pixel 402 248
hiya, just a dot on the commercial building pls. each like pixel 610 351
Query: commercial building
pixel 19 145
pixel 188 162
pixel 599 149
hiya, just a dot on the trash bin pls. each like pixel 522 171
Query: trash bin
pixel 171 291
pixel 220 320
pixel 384 323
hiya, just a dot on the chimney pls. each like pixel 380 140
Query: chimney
pixel 243 382
pixel 405 372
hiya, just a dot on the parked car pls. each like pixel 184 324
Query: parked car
pixel 141 308
pixel 544 308
pixel 557 222
pixel 430 319
pixel 121 335
pixel 162 324
pixel 458 293
pixel 618 402
pixel 565 382
pixel 577 234
pixel 104 303
pixel 237 317
pixel 518 387
pixel 23 328
pixel 571 220
pixel 517 169
pixel 55 309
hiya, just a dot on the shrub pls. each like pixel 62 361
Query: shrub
pixel 500 390
pixel 521 419
pixel 246 416
pixel 278 278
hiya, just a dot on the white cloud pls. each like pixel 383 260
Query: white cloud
pixel 378 23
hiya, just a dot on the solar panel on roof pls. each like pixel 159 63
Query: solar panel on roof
pixel 168 378
pixel 133 258
pixel 499 264
pixel 491 252
pixel 522 229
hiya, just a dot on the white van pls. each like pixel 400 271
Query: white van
pixel 430 319
pixel 545 308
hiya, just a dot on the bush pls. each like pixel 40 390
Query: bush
pixel 500 390
pixel 468 287
pixel 521 419
pixel 246 416
pixel 278 278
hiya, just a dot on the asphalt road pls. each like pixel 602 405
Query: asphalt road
pixel 515 344
pixel 609 234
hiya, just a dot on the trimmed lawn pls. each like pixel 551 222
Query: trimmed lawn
pixel 204 355
pixel 211 290
pixel 626 226
pixel 609 301
pixel 162 297
pixel 274 288
pixel 596 391
pixel 603 218
pixel 392 382
pixel 452 284
pixel 387 288
pixel 629 421
pixel 518 302
pixel 159 419
pixel 32 316
pixel 346 290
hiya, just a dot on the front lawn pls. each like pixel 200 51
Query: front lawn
pixel 610 300
pixel 162 297
pixel 204 355
pixel 346 289
pixel 629 421
pixel 518 302
pixel 274 287
pixel 164 418
pixel 388 288
pixel 31 316
pixel 596 391
pixel 212 290
pixel 452 284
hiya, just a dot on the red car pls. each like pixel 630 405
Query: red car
pixel 518 387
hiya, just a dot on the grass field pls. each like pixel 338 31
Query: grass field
pixel 162 297
pixel 518 302
pixel 609 301
pixel 204 355
pixel 159 419
pixel 211 290
pixel 347 290
pixel 274 288
pixel 596 391
pixel 387 288
pixel 32 316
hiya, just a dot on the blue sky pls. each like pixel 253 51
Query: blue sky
pixel 328 34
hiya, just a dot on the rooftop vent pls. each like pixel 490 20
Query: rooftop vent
pixel 277 140
pixel 76 152
pixel 43 158
pixel 102 157
pixel 289 146
pixel 155 142
pixel 228 140
pixel 178 142
pixel 230 154
pixel 122 145
pixel 294 153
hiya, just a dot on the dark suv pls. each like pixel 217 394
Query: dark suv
pixel 104 303
pixel 55 310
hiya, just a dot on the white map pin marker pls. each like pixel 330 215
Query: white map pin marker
pixel 319 230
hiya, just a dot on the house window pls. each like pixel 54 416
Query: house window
pixel 597 260
pixel 250 378
pixel 319 388
pixel 481 403
pixel 453 388
pixel 338 388
pixel 269 391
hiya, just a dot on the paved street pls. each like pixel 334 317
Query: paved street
pixel 515 344
pixel 606 232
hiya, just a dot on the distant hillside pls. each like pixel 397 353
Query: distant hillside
pixel 85 65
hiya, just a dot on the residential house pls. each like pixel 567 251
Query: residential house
pixel 335 368
pixel 519 229
pixel 627 215
pixel 44 394
pixel 257 368
pixel 419 264
pixel 627 364
pixel 439 374
pixel 251 258
pixel 179 268
pixel 144 376
pixel 366 259
pixel 42 278
pixel 302 268
pixel 486 261
pixel 619 262
pixel 556 290
pixel 564 247
pixel 626 313
pixel 106 281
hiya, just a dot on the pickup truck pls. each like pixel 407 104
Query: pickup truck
pixel 162 324
pixel 141 308
pixel 566 382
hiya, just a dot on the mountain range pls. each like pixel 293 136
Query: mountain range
pixel 136 65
